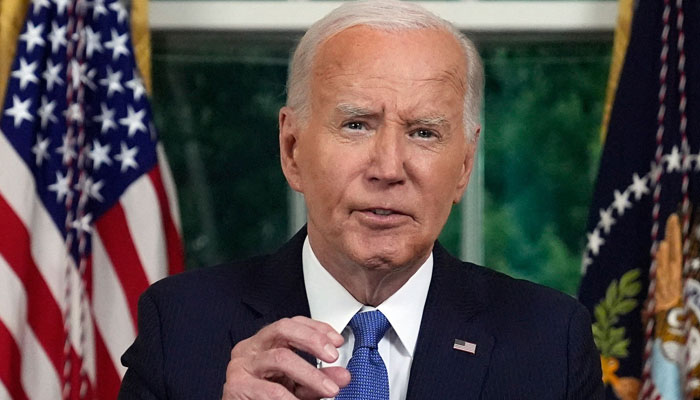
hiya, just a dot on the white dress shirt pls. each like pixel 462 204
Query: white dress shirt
pixel 331 303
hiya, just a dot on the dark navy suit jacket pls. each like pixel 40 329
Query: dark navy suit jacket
pixel 531 342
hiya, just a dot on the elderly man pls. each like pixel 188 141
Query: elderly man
pixel 379 134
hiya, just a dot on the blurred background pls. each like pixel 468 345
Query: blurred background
pixel 219 71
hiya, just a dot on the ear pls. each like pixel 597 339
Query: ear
pixel 289 139
pixel 467 165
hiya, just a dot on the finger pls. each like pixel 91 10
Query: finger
pixel 274 363
pixel 292 333
pixel 339 375
pixel 336 338
pixel 265 390
pixel 240 384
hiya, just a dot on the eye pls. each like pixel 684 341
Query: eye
pixel 354 125
pixel 424 133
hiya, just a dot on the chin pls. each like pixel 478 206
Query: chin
pixel 387 254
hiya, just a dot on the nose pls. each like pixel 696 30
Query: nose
pixel 387 164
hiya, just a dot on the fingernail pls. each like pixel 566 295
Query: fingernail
pixel 331 351
pixel 331 386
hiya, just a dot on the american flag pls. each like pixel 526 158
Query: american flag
pixel 88 217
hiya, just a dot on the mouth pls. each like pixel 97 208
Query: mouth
pixel 381 211
pixel 383 217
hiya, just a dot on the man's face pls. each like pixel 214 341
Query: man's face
pixel 383 155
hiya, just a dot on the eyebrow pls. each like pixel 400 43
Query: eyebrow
pixel 352 110
pixel 430 121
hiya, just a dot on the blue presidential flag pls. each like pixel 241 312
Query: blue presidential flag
pixel 641 264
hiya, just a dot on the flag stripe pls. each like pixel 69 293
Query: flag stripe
pixel 143 218
pixel 10 365
pixel 107 376
pixel 174 244
pixel 116 238
pixel 111 307
pixel 11 319
pixel 43 313
pixel 4 393
pixel 18 189
pixel 37 368
pixel 20 340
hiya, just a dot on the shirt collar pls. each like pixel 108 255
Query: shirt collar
pixel 331 303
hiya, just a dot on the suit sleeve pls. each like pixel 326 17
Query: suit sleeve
pixel 144 379
pixel 584 377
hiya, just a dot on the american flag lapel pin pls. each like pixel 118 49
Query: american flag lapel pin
pixel 463 345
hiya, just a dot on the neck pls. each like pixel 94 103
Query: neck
pixel 370 283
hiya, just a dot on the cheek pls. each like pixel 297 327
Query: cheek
pixel 440 182
pixel 325 177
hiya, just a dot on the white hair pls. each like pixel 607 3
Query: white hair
pixel 385 15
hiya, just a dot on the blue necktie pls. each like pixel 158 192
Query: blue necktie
pixel 370 380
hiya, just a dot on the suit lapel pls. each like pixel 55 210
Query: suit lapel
pixel 276 290
pixel 454 300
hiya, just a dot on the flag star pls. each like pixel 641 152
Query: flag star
pixel 32 36
pixel 74 113
pixel 61 6
pixel 93 189
pixel 100 155
pixel 606 219
pixel 79 74
pixel 127 157
pixel 51 74
pixel 639 186
pixel 136 85
pixel 26 73
pixel 621 202
pixel 695 264
pixel 106 119
pixel 19 110
pixel 134 120
pixel 40 150
pixel 112 81
pixel 39 4
pixel 57 37
pixel 83 224
pixel 45 112
pixel 117 44
pixel 688 161
pixel 60 187
pixel 67 150
pixel 120 10
pixel 88 78
pixel 673 160
pixel 595 241
pixel 98 8
pixel 93 42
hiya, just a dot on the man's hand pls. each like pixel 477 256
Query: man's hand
pixel 265 365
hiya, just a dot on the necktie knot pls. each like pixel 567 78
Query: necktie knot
pixel 369 328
